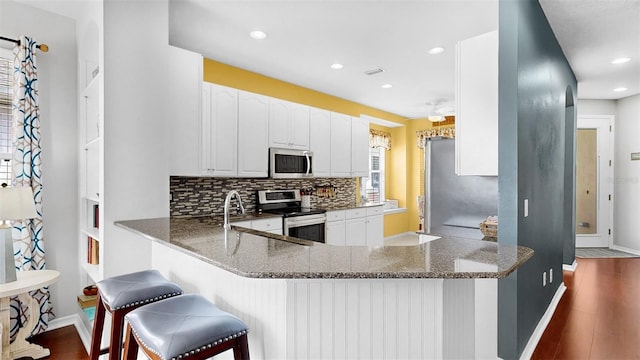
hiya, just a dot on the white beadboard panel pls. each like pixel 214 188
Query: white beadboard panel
pixel 366 319
pixel 486 318
pixel 459 324
pixel 339 320
pixel 377 322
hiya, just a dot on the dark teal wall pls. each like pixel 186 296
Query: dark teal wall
pixel 534 135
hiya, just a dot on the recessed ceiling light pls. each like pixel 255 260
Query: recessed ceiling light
pixel 436 50
pixel 621 60
pixel 386 86
pixel 620 89
pixel 258 35
pixel 337 66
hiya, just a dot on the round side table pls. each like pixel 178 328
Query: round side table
pixel 27 281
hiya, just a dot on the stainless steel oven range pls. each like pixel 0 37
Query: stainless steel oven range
pixel 303 223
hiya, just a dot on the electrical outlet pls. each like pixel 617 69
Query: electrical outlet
pixel 550 276
pixel 544 279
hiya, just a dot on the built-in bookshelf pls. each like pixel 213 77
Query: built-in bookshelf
pixel 90 177
pixel 91 87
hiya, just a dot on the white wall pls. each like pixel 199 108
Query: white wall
pixel 626 207
pixel 142 75
pixel 626 210
pixel 57 92
pixel 597 107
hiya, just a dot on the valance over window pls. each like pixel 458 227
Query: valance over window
pixel 449 132
pixel 379 139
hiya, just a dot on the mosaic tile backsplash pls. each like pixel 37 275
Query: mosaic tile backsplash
pixel 204 196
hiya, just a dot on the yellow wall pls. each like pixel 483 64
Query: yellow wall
pixel 402 161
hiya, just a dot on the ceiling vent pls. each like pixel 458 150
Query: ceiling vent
pixel 373 71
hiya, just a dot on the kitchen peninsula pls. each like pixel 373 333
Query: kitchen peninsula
pixel 303 299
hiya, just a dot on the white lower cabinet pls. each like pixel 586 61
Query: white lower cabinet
pixel 356 231
pixel 335 234
pixel 271 225
pixel 355 227
pixel 375 226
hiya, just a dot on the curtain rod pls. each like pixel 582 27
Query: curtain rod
pixel 42 47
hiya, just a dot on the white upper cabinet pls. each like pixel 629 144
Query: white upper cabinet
pixel 340 145
pixel 253 139
pixel 320 141
pixel 359 147
pixel 219 130
pixel 288 125
pixel 477 105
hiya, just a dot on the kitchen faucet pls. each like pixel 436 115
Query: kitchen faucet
pixel 231 194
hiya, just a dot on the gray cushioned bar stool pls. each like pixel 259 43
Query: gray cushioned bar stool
pixel 120 295
pixel 184 327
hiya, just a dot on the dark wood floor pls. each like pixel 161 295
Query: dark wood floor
pixel 597 318
pixel 63 343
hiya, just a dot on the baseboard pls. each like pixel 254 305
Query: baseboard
pixel 74 320
pixel 571 267
pixel 621 248
pixel 542 324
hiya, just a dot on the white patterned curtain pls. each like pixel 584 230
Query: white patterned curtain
pixel 449 132
pixel 379 139
pixel 27 235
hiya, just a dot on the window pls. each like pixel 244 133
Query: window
pixel 6 128
pixel 372 187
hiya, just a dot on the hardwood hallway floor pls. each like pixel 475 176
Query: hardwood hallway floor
pixel 597 318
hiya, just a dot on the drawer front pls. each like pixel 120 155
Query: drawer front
pixel 376 210
pixel 355 213
pixel 267 224
pixel 335 215
pixel 243 223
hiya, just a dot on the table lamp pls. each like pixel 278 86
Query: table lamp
pixel 16 203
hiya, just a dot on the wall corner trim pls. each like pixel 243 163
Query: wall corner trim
pixel 571 267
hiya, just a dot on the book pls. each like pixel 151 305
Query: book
pixel 93 251
pixel 86 301
pixel 96 216
pixel 90 312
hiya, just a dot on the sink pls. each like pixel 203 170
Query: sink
pixel 423 238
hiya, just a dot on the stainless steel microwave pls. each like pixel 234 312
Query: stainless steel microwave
pixel 290 164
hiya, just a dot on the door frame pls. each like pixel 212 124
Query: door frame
pixel 605 178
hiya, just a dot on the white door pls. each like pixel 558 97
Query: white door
pixel 594 181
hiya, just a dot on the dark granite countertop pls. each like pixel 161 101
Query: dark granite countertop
pixel 256 254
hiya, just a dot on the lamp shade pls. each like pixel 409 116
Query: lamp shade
pixel 16 203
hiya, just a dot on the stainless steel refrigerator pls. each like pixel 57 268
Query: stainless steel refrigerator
pixel 455 205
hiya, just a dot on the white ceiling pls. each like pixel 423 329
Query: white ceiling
pixel 305 37
pixel 591 34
